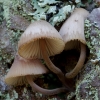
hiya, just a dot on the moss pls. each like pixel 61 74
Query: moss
pixel 61 15
pixel 90 91
pixel 5 6
pixel 92 40
pixel 53 99
pixel 57 10
pixel 84 86
pixel 1 13
pixel 71 95
pixel 14 36
pixel 43 3
pixel 87 35
pixel 8 96
pixel 5 57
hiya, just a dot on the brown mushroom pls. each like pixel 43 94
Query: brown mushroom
pixel 41 40
pixel 26 71
pixel 72 33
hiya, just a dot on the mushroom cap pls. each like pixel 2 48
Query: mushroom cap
pixel 74 44
pixel 28 45
pixel 73 28
pixel 82 12
pixel 20 68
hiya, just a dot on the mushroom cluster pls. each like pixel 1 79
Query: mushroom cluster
pixel 25 71
pixel 40 41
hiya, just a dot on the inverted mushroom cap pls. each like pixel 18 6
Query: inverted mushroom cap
pixel 73 28
pixel 28 45
pixel 20 68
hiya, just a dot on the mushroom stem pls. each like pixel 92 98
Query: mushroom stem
pixel 50 65
pixel 35 87
pixel 80 63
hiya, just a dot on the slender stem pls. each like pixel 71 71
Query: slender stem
pixel 80 63
pixel 50 65
pixel 35 87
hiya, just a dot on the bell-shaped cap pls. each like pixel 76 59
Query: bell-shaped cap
pixel 28 45
pixel 21 67
pixel 73 28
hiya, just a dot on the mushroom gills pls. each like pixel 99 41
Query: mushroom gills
pixel 79 64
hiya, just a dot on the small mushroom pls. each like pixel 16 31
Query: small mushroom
pixel 72 33
pixel 26 71
pixel 41 40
